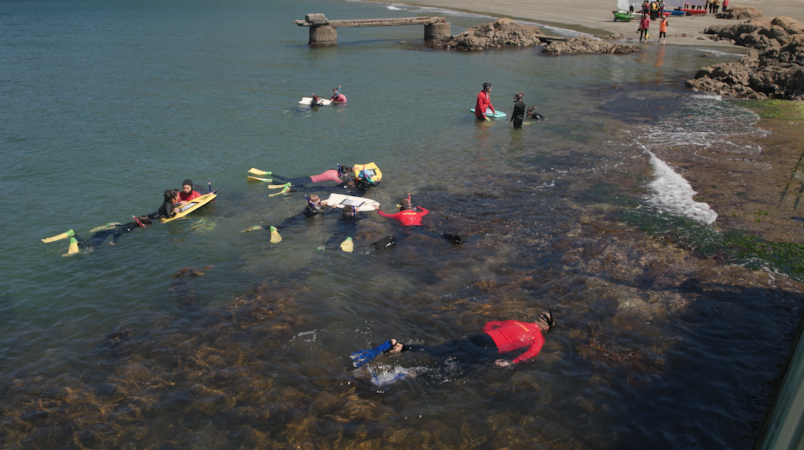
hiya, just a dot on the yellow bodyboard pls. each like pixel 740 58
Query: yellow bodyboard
pixel 370 169
pixel 192 206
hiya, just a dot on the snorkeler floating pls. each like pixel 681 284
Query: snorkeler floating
pixel 113 229
pixel 501 337
pixel 410 220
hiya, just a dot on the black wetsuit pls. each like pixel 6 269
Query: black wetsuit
pixel 346 227
pixel 473 349
pixel 98 238
pixel 164 212
pixel 519 114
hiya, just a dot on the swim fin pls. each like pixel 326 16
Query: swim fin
pixel 73 249
pixel 68 234
pixel 275 237
pixel 258 172
pixel 264 180
pixel 347 245
pixel 254 228
pixel 283 191
pixel 361 357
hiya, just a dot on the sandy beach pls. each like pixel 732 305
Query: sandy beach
pixel 595 17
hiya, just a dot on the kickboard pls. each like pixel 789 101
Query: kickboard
pixel 362 204
pixel 308 100
pixel 192 206
pixel 489 114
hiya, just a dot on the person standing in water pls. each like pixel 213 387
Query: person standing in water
pixel 519 111
pixel 337 97
pixel 484 102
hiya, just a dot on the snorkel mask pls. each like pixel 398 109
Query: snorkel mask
pixel 311 203
pixel 548 319
pixel 139 223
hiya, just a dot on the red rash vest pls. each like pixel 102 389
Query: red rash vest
pixel 408 218
pixel 187 197
pixel 510 335
pixel 483 103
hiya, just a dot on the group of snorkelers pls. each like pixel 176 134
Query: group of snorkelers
pixel 358 181
pixel 175 200
pixel 519 114
pixel 336 98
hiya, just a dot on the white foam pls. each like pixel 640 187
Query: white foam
pixel 394 8
pixel 715 52
pixel 384 375
pixel 558 30
pixel 672 193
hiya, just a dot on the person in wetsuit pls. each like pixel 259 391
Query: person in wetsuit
pixel 532 114
pixel 317 101
pixel 410 220
pixel 484 102
pixel 115 232
pixel 187 193
pixel 335 175
pixel 519 111
pixel 497 338
pixel 166 211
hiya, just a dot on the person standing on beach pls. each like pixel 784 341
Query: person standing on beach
pixel 519 111
pixel 484 102
pixel 644 23
pixel 663 31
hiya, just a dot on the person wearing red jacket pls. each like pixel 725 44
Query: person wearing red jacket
pixel 484 102
pixel 500 336
pixel 411 220
pixel 407 216
pixel 187 193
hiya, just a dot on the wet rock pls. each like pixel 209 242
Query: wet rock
pixel 612 37
pixel 587 45
pixel 775 69
pixel 501 33
pixel 740 13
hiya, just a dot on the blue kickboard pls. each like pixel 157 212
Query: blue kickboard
pixel 489 114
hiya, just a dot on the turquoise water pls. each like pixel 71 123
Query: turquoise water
pixel 106 105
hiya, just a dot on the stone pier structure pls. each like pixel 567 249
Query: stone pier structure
pixel 324 32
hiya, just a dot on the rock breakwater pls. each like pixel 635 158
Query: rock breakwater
pixel 774 68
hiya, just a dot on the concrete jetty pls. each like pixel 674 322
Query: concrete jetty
pixel 324 32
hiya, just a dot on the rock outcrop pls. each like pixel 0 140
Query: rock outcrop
pixel 500 33
pixel 773 69
pixel 740 13
pixel 587 45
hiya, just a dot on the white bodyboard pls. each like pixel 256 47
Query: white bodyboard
pixel 308 100
pixel 362 204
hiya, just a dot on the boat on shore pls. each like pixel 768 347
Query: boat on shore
pixel 694 12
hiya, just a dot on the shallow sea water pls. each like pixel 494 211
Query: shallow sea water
pixel 106 105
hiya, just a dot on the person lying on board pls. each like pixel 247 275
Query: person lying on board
pixel 168 208
pixel 187 193
pixel 317 101
pixel 315 207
